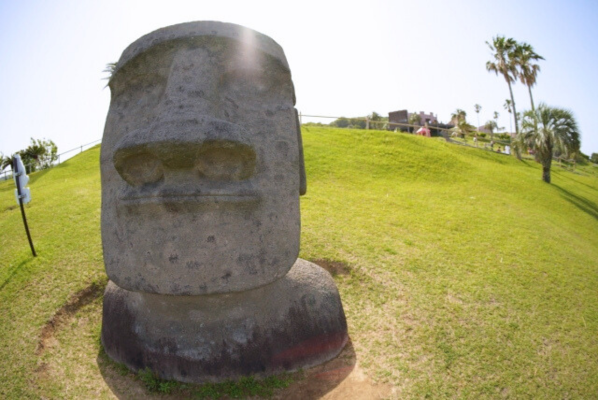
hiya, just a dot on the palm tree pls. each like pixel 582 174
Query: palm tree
pixel 524 57
pixel 477 109
pixel 463 129
pixel 457 116
pixel 5 162
pixel 548 130
pixel 32 155
pixel 492 126
pixel 503 51
pixel 507 107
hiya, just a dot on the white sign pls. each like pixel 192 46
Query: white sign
pixel 21 180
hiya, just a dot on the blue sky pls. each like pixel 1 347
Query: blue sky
pixel 347 58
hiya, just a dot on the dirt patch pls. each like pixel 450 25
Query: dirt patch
pixel 10 208
pixel 332 266
pixel 78 300
pixel 42 370
pixel 338 379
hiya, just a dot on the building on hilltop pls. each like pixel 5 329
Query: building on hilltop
pixel 398 117
pixel 403 116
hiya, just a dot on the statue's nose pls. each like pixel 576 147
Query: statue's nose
pixel 212 149
pixel 187 133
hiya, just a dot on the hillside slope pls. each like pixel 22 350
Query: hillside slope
pixel 462 274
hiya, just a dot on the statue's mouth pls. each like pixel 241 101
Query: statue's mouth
pixel 179 197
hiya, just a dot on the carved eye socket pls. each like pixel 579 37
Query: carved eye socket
pixel 225 161
pixel 140 169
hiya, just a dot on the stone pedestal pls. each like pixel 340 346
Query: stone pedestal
pixel 295 322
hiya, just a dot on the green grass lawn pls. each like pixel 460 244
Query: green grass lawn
pixel 465 275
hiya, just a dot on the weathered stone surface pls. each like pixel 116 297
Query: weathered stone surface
pixel 295 322
pixel 201 163
pixel 202 168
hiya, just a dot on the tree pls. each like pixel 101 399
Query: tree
pixel 380 121
pixel 548 130
pixel 39 154
pixel 507 107
pixel 491 126
pixel 503 51
pixel 375 117
pixel 356 123
pixel 462 128
pixel 525 57
pixel 342 122
pixel 414 119
pixel 457 116
pixel 5 162
pixel 477 109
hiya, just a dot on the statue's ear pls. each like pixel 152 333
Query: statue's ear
pixel 301 157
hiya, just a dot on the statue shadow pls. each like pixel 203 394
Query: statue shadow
pixel 316 382
pixel 312 383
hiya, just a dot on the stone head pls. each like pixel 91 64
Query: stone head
pixel 201 162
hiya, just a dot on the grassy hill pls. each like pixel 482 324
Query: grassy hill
pixel 462 274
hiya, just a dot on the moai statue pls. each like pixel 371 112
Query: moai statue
pixel 202 169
